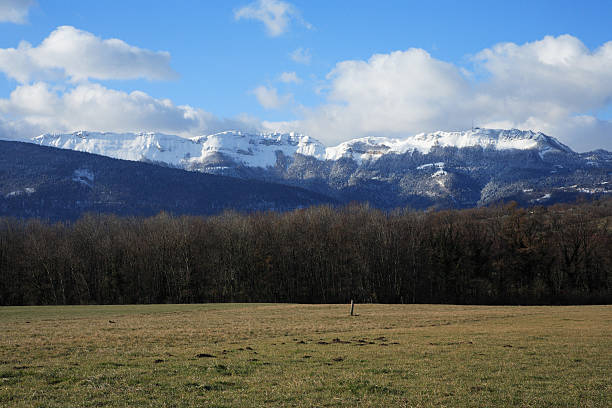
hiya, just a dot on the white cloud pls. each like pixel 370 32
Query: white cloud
pixel 69 57
pixel 289 78
pixel 389 94
pixel 301 56
pixel 555 76
pixel 15 11
pixel 580 132
pixel 17 130
pixel 553 85
pixel 79 55
pixel 95 107
pixel 269 98
pixel 274 14
pixel 549 85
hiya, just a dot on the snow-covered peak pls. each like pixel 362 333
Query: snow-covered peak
pixel 253 150
pixel 365 148
pixel 143 146
pixel 259 150
pixel 372 148
pixel 262 150
pixel 499 139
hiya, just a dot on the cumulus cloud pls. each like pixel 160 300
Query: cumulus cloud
pixel 554 85
pixel 301 56
pixel 95 107
pixel 269 98
pixel 549 85
pixel 289 78
pixel 17 129
pixel 55 94
pixel 274 14
pixel 581 132
pixel 553 77
pixel 79 55
pixel 14 11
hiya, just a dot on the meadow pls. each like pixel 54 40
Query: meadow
pixel 248 355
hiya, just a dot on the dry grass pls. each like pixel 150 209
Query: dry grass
pixel 305 355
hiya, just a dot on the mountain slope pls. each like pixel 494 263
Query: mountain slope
pixel 440 169
pixel 62 184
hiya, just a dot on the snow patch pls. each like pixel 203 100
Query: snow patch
pixel 83 176
pixel 544 197
pixel 25 191
pixel 439 173
pixel 428 165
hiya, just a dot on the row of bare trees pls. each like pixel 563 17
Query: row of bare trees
pixel 500 255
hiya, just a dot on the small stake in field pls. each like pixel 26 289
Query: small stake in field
pixel 352 307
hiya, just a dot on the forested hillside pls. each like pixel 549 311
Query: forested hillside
pixel 499 255
pixel 57 184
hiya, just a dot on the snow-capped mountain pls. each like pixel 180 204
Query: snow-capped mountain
pixel 261 150
pixel 372 148
pixel 448 169
pixel 251 150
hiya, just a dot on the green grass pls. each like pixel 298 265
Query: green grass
pixel 239 355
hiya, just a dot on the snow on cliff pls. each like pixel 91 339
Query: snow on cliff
pixel 261 150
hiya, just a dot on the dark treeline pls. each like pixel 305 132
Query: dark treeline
pixel 500 255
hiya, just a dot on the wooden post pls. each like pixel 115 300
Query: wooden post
pixel 352 307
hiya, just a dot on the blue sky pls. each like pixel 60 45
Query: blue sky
pixel 228 67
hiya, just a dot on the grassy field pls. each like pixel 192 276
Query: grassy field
pixel 226 355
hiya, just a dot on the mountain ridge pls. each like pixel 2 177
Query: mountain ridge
pixel 259 149
pixel 439 169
